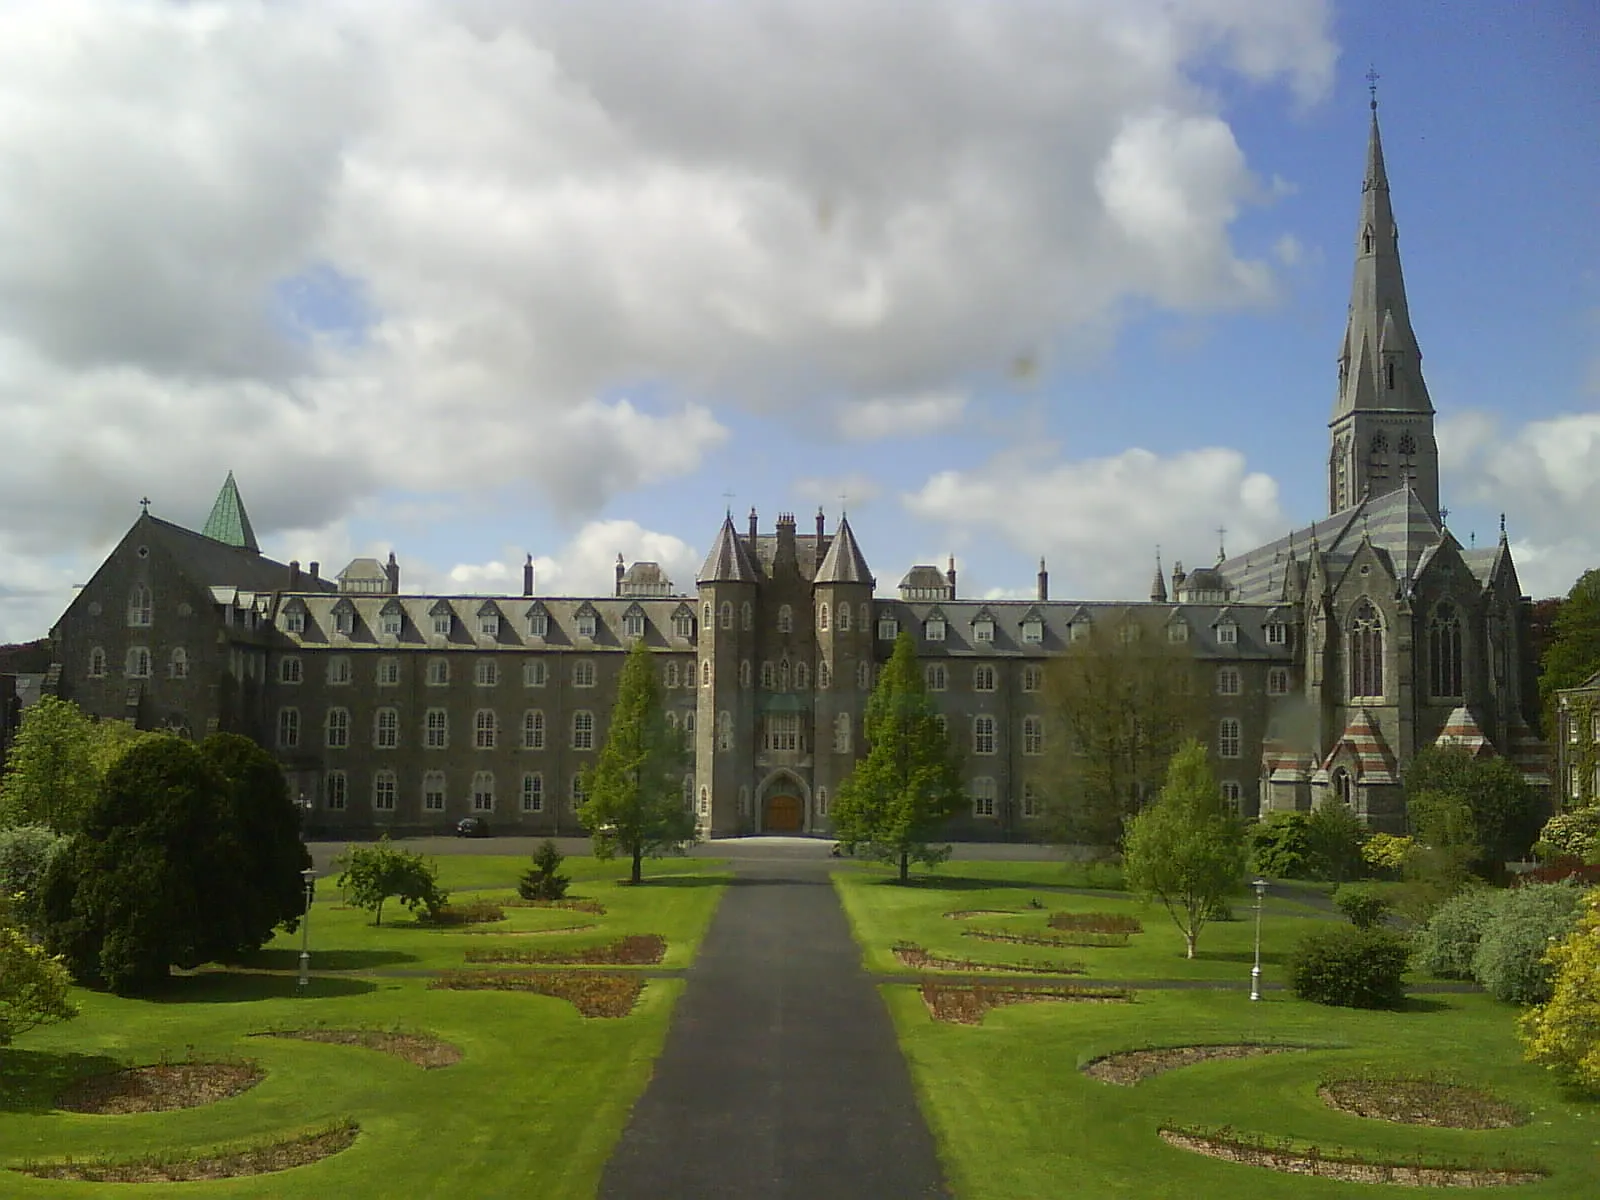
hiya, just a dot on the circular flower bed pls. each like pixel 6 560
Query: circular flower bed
pixel 1131 1066
pixel 160 1088
pixel 1406 1101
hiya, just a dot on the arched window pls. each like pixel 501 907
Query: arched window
pixel 783 676
pixel 533 729
pixel 983 735
pixel 766 677
pixel 433 791
pixel 841 734
pixel 705 801
pixel 483 791
pixel 785 619
pixel 705 673
pixel 383 790
pixel 97 663
pixel 744 672
pixel 583 730
pixel 1444 652
pixel 724 730
pixel 139 607
pixel 1366 652
pixel 705 616
pixel 822 616
pixel 866 616
pixel 338 728
pixel 485 729
pixel 844 618
pixel 802 677
pixel 727 614
pixel 824 676
pixel 533 792
pixel 1032 735
pixel 747 616
pixel 386 728
pixel 178 664
pixel 1342 787
pixel 138 662
pixel 1388 376
pixel 863 675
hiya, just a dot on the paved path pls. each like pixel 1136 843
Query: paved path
pixel 781 1075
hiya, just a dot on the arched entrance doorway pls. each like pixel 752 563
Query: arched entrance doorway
pixel 783 804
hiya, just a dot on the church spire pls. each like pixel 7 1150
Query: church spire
pixel 228 521
pixel 1382 418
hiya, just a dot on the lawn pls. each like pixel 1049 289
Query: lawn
pixel 533 1107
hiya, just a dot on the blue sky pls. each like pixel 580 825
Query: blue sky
pixel 1019 279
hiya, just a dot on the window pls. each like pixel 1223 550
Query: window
pixel 688 721
pixel 1177 632
pixel 289 669
pixel 1032 678
pixel 443 623
pixel 783 676
pixel 1033 735
pixel 433 791
pixel 1278 681
pixel 824 676
pixel 844 618
pixel 783 732
pixel 140 610
pixel 633 624
pixel 983 796
pixel 822 617
pixel 386 728
pixel 482 791
pixel 336 789
pixel 705 673
pixel 534 672
pixel 744 672
pixel 586 624
pixel 338 729
pixel 178 663
pixel 983 630
pixel 842 734
pixel 436 729
pixel 1078 631
pixel 672 673
pixel 1444 652
pixel 533 730
pixel 485 729
pixel 724 731
pixel 294 620
pixel 583 673
pixel 943 722
pixel 983 679
pixel 1227 634
pixel 538 623
pixel 864 676
pixel 822 802
pixel 1574 782
pixel 138 663
pixel 888 628
pixel 767 676
pixel 583 730
pixel 933 629
pixel 388 672
pixel 705 619
pixel 1228 738
pixel 438 672
pixel 97 663
pixel 486 672
pixel 288 728
pixel 802 677
pixel 1366 652
pixel 344 621
pixel 1232 796
pixel 983 735
pixel 725 614
pixel 339 670
pixel 489 625
pixel 1030 800
pixel 1277 633
pixel 672 720
pixel 1228 682
pixel 577 795
pixel 934 676
pixel 682 624
pixel 705 801
pixel 532 792
pixel 391 621
pixel 1032 632
pixel 747 616
pixel 383 789
pixel 866 616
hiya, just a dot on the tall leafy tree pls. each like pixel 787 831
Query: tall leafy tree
pixel 895 801
pixel 1121 701
pixel 1564 1032
pixel 1573 652
pixel 1506 814
pixel 51 775
pixel 371 874
pixel 1186 850
pixel 634 801
pixel 34 987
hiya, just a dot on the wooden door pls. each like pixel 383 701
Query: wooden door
pixel 784 815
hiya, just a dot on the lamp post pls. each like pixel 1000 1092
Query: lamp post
pixel 1260 886
pixel 304 982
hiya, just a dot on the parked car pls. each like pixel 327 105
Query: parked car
pixel 472 827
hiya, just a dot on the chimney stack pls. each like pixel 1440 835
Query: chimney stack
pixel 527 576
pixel 393 572
pixel 821 531
pixel 294 574
pixel 1044 581
pixel 950 576
pixel 620 572
pixel 753 527
pixel 316 576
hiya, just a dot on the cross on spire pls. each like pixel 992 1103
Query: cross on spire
pixel 1222 549
pixel 1372 87
pixel 144 506
pixel 728 496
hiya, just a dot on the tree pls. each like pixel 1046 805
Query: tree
pixel 33 986
pixel 51 778
pixel 374 873
pixel 634 802
pixel 151 879
pixel 26 852
pixel 1334 837
pixel 1573 653
pixel 1121 701
pixel 1505 812
pixel 1186 850
pixel 1445 844
pixel 1564 1032
pixel 543 880
pixel 898 797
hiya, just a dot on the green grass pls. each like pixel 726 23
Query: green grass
pixel 534 1107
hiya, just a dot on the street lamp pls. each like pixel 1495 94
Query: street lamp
pixel 304 982
pixel 1260 886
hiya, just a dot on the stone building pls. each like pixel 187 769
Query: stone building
pixel 1333 654
pixel 1578 743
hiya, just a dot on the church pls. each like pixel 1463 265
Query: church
pixel 1332 656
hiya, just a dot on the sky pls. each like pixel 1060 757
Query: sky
pixel 1004 280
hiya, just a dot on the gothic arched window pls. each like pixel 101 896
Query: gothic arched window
pixel 1444 652
pixel 1366 652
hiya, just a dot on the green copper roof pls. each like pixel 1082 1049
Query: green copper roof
pixel 228 521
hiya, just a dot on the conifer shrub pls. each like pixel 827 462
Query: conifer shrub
pixel 1280 845
pixel 1510 961
pixel 1350 968
pixel 543 880
pixel 1364 905
pixel 1445 946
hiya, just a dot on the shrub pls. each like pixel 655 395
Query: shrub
pixel 1364 905
pixel 474 912
pixel 1510 961
pixel 373 873
pixel 1280 845
pixel 1446 944
pixel 1350 967
pixel 1334 836
pixel 26 852
pixel 1574 834
pixel 1387 853
pixel 1564 1034
pixel 543 880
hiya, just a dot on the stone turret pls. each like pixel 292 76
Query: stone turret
pixel 725 724
pixel 845 661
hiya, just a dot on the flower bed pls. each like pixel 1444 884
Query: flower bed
pixel 963 914
pixel 474 912
pixel 419 1049
pixel 1095 922
pixel 1048 939
pixel 257 1159
pixel 576 904
pixel 1420 1101
pixel 160 1088
pixel 966 1003
pixel 914 956
pixel 592 993
pixel 635 950
pixel 1131 1066
pixel 1285 1154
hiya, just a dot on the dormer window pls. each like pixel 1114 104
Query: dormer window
pixel 933 629
pixel 294 620
pixel 1277 633
pixel 633 623
pixel 443 622
pixel 587 623
pixel 1177 632
pixel 344 621
pixel 1032 632
pixel 983 630
pixel 683 624
pixel 391 620
pixel 1079 630
pixel 489 624
pixel 538 622
pixel 888 628
pixel 1227 633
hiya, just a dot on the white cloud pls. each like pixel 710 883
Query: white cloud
pixel 1099 521
pixel 908 416
pixel 855 490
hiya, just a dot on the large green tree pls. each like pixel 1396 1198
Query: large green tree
pixel 51 777
pixel 372 874
pixel 634 803
pixel 34 987
pixel 1121 701
pixel 1186 850
pixel 1564 1032
pixel 1506 814
pixel 1573 653
pixel 896 799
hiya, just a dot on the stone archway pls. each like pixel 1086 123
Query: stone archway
pixel 783 803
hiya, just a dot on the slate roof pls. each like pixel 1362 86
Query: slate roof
pixel 728 561
pixel 228 522
pixel 209 562
pixel 844 562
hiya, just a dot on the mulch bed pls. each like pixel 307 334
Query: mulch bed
pixel 966 1004
pixel 962 914
pixel 419 1049
pixel 577 904
pixel 160 1088
pixel 1132 1066
pixel 592 993
pixel 526 932
pixel 1258 1152
pixel 1095 922
pixel 1048 939
pixel 1434 1102
pixel 917 958
pixel 634 950
pixel 474 912
pixel 251 1160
